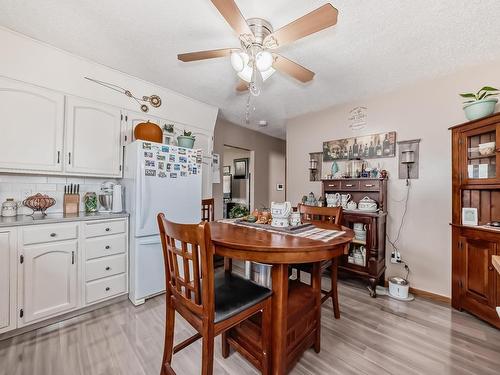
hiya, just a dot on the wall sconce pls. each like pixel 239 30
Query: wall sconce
pixel 408 159
pixel 315 165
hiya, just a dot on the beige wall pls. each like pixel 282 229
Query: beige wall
pixel 424 110
pixel 269 162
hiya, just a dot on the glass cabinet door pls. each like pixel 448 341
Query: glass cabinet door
pixel 480 155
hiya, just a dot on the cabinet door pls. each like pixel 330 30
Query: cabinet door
pixel 8 279
pixel 93 138
pixel 31 128
pixel 132 119
pixel 478 282
pixel 49 281
pixel 479 155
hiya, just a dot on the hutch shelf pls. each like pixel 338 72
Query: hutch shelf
pixel 476 184
pixel 366 259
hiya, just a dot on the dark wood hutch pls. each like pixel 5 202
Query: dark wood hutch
pixel 476 184
pixel 373 269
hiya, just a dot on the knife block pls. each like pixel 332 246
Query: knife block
pixel 71 203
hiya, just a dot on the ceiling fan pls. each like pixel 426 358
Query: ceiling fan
pixel 255 61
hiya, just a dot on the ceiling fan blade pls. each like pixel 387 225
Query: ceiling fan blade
pixel 311 23
pixel 233 16
pixel 242 86
pixel 292 69
pixel 203 55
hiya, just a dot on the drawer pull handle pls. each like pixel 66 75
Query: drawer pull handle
pixel 369 185
pixel 53 234
pixel 108 229
pixel 108 289
pixel 349 185
pixel 332 185
pixel 107 247
pixel 108 268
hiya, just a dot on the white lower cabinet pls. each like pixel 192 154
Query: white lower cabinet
pixel 8 279
pixel 49 281
pixel 48 270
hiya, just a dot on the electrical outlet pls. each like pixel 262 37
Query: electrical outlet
pixel 395 257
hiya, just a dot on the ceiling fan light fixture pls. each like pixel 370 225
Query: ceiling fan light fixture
pixel 239 60
pixel 264 60
pixel 246 74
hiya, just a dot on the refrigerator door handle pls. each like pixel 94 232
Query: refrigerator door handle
pixel 142 184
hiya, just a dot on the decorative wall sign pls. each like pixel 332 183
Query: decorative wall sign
pixel 374 146
pixel 154 100
pixel 357 118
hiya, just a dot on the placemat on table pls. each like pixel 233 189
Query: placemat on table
pixel 306 230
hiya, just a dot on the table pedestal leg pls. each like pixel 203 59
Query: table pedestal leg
pixel 279 314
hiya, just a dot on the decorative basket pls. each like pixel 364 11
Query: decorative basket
pixel 39 202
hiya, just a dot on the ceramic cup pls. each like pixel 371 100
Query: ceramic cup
pixel 294 219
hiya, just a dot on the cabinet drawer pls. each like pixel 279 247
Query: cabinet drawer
pixel 49 233
pixel 369 185
pixel 349 185
pixel 331 185
pixel 104 267
pixel 103 228
pixel 105 245
pixel 105 288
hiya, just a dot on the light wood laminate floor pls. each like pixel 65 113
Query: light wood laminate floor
pixel 373 336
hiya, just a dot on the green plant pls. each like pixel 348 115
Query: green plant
pixel 484 93
pixel 188 134
pixel 238 211
pixel 169 128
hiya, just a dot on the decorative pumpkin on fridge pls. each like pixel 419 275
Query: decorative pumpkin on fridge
pixel 148 131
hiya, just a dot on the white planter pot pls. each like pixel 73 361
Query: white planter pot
pixel 480 108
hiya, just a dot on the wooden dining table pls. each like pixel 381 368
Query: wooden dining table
pixel 296 306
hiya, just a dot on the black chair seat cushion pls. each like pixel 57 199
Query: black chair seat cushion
pixel 234 294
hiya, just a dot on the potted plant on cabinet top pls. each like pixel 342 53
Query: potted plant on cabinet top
pixel 481 104
pixel 186 140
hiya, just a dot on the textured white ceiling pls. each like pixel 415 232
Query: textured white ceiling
pixel 375 47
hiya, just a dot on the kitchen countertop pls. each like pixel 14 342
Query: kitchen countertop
pixel 57 218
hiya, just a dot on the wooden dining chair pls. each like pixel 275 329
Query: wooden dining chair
pixel 207 209
pixel 211 302
pixel 332 215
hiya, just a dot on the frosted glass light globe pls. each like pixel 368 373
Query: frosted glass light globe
pixel 263 60
pixel 239 60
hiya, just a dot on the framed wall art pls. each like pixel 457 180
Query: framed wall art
pixel 373 146
pixel 240 168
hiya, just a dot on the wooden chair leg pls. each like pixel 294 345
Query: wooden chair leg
pixel 225 345
pixel 266 338
pixel 169 336
pixel 334 292
pixel 207 356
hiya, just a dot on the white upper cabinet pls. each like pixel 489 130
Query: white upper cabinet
pixel 93 138
pixel 31 128
pixel 8 279
pixel 132 119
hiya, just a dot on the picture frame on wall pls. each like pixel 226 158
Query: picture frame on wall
pixel 226 169
pixel 375 146
pixel 469 216
pixel 240 168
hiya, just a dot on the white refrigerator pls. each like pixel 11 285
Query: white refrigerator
pixel 157 178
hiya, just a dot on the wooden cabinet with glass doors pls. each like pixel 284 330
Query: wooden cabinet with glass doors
pixel 476 184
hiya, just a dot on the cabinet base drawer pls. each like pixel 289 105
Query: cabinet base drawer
pixel 104 267
pixel 105 288
pixel 105 246
pixel 103 228
pixel 49 233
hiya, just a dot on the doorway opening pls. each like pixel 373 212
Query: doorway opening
pixel 237 181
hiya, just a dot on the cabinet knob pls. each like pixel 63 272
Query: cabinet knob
pixel 108 268
pixel 107 247
pixel 108 229
pixel 490 268
pixel 349 185
pixel 53 234
pixel 108 289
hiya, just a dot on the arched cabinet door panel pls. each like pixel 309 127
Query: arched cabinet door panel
pixel 49 280
pixel 31 128
pixel 8 279
pixel 93 138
